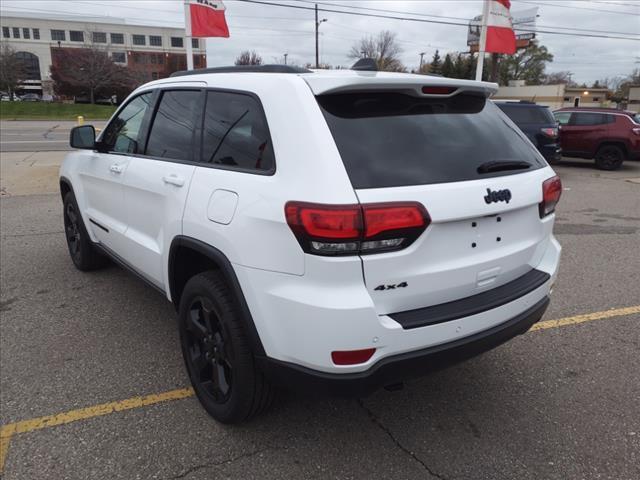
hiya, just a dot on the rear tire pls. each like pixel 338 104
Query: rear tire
pixel 609 157
pixel 217 354
pixel 83 253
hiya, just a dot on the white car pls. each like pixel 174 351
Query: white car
pixel 335 231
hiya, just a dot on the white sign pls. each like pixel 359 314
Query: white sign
pixel 524 19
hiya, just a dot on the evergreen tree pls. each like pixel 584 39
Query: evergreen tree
pixel 436 63
pixel 447 66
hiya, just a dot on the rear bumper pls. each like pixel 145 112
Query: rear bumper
pixel 396 368
pixel 551 151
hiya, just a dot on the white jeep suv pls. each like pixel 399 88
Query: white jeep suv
pixel 333 231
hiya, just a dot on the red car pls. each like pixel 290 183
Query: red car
pixel 608 135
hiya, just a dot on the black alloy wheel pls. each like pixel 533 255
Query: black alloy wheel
pixel 609 157
pixel 209 356
pixel 72 230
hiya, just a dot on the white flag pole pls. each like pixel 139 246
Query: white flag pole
pixel 483 40
pixel 187 25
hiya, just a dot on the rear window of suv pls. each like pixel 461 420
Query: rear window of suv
pixel 521 114
pixel 389 139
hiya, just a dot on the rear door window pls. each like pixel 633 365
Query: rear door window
pixel 235 133
pixel 172 132
pixel 522 115
pixel 389 139
pixel 562 117
pixel 586 119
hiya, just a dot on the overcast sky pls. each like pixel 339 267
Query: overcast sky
pixel 273 31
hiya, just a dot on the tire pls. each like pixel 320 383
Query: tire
pixel 609 157
pixel 216 351
pixel 82 251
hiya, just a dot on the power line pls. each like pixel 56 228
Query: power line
pixel 420 20
pixel 579 8
pixel 460 18
pixel 635 5
pixel 613 34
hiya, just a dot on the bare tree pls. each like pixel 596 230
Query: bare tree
pixel 383 48
pixel 556 78
pixel 249 58
pixel 88 71
pixel 12 70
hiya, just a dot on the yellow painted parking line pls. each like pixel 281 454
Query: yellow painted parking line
pixel 587 317
pixel 4 448
pixel 89 412
pixel 25 426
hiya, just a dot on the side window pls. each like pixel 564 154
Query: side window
pixel 585 119
pixel 235 133
pixel 123 133
pixel 174 124
pixel 562 117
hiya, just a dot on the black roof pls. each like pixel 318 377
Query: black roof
pixel 245 69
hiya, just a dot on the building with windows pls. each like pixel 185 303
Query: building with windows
pixel 152 52
pixel 555 96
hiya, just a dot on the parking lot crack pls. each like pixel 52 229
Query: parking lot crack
pixel 219 463
pixel 374 419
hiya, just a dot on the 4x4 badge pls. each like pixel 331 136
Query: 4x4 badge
pixel 497 196
pixel 392 287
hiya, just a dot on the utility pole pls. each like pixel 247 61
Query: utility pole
pixel 483 40
pixel 187 21
pixel 285 58
pixel 422 54
pixel 317 27
pixel 494 67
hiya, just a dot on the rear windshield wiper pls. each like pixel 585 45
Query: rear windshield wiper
pixel 490 167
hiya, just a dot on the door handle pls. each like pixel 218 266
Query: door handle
pixel 115 168
pixel 173 180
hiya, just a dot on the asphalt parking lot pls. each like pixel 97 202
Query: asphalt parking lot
pixel 92 383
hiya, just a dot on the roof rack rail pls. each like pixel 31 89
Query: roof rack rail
pixel 243 68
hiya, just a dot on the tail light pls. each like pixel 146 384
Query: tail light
pixel 550 132
pixel 356 229
pixel 352 357
pixel 551 191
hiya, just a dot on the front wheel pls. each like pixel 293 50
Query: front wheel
pixel 83 254
pixel 216 351
pixel 609 157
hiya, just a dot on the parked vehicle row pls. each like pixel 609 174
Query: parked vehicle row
pixel 607 135
pixel 28 97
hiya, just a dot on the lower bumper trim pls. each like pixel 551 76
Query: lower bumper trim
pixel 400 367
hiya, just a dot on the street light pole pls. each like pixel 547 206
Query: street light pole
pixel 422 54
pixel 317 27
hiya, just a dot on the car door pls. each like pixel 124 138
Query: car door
pixel 564 124
pixel 585 131
pixel 102 174
pixel 157 182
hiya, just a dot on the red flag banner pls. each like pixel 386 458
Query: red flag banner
pixel 500 36
pixel 207 18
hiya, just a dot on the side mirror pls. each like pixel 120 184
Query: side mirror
pixel 83 137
